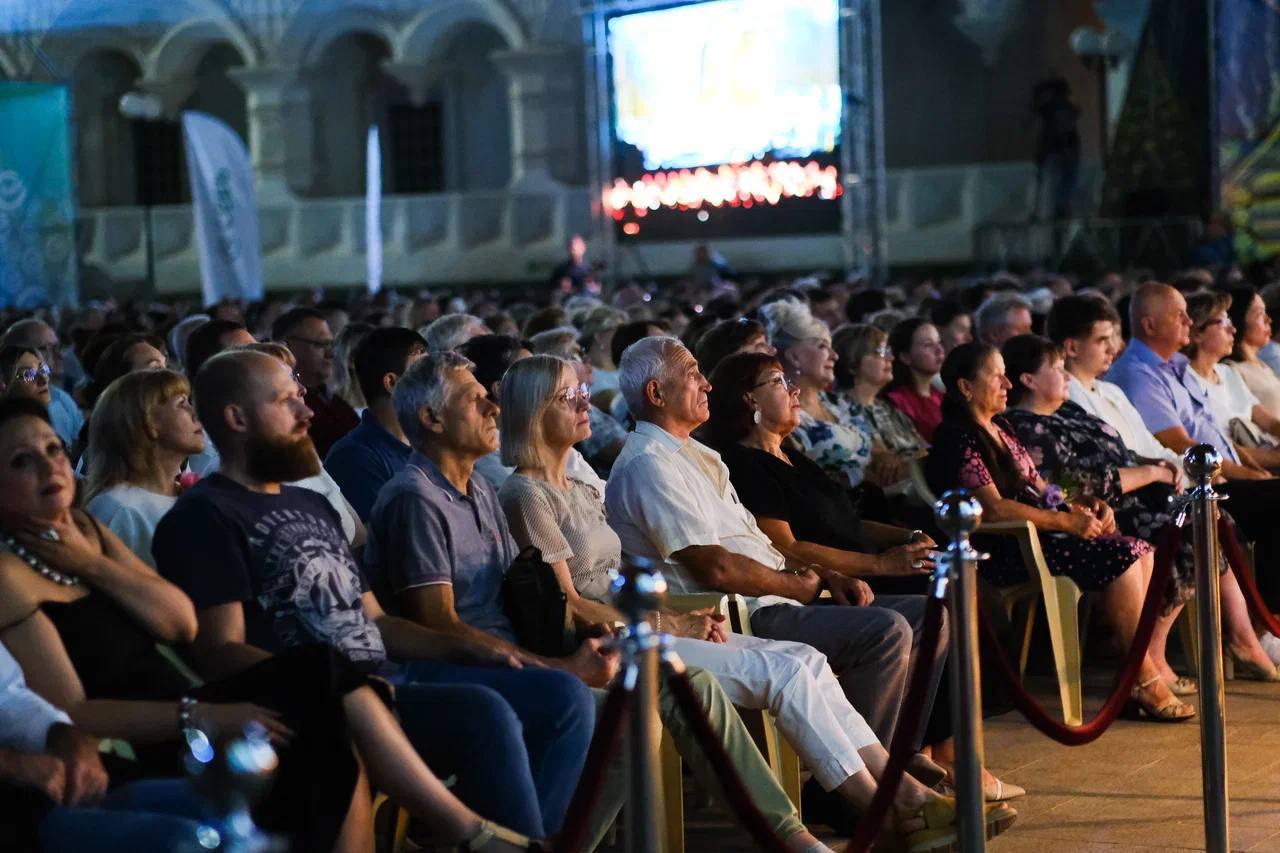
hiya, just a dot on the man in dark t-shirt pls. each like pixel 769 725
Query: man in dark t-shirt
pixel 267 567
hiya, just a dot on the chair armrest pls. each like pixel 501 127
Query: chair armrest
pixel 1018 527
pixel 683 603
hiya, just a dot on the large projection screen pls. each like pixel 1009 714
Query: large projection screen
pixel 726 119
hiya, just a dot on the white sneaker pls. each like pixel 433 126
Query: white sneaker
pixel 1271 645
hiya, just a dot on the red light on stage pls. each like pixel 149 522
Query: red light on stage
pixel 631 229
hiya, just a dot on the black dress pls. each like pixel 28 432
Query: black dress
pixel 116 658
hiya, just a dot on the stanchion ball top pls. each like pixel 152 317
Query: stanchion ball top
pixel 957 512
pixel 1202 461
pixel 639 586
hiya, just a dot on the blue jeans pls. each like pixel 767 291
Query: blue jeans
pixel 516 738
pixel 153 822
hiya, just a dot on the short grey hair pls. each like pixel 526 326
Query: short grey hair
pixel 788 322
pixel 645 360
pixel 425 383
pixel 449 331
pixel 993 313
pixel 528 388
pixel 561 342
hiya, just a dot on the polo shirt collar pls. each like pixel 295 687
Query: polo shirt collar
pixel 1146 354
pixel 432 472
pixel 660 436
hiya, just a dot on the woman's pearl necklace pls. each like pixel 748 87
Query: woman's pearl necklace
pixel 38 564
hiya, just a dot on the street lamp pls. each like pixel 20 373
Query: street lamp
pixel 140 106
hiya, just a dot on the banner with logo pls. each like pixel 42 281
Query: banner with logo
pixel 37 197
pixel 373 210
pixel 225 208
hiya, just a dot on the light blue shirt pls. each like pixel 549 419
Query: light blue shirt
pixel 1270 355
pixel 65 414
pixel 25 718
pixel 1161 392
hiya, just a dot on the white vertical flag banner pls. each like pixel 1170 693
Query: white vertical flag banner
pixel 225 207
pixel 373 211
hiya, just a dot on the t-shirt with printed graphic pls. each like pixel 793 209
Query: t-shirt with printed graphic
pixel 283 557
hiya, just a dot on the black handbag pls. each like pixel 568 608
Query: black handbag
pixel 537 607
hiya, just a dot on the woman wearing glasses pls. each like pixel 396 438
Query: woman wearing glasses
pixel 864 366
pixel 23 373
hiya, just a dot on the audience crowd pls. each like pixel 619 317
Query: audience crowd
pixel 310 515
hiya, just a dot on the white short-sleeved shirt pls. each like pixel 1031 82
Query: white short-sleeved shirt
pixel 1107 402
pixel 1229 397
pixel 1263 382
pixel 132 513
pixel 665 495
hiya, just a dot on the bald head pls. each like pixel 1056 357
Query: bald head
pixel 1158 318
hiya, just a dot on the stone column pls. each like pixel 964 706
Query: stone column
pixel 543 118
pixel 278 105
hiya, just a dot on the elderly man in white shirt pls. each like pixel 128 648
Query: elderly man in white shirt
pixel 669 499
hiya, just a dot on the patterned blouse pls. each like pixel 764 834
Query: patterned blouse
pixel 842 447
pixel 889 427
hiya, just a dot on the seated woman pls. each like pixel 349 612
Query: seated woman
pixel 864 367
pixel 1071 445
pixel 809 518
pixel 542 417
pixel 729 337
pixel 82 616
pixel 975 448
pixel 1238 412
pixel 917 358
pixel 143 430
pixel 1248 313
pixel 840 444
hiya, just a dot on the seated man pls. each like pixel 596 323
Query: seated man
pixel 670 499
pixel 52 783
pixel 306 333
pixel 267 567
pixel 364 459
pixel 439 545
pixel 1175 408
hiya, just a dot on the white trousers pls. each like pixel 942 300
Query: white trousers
pixel 795 684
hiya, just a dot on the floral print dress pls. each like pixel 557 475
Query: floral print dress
pixel 1091 563
pixel 1073 445
pixel 841 448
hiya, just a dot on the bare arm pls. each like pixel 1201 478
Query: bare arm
pixel 1177 440
pixel 718 568
pixel 850 563
pixel 587 609
pixel 1266 420
pixel 219 649
pixel 996 507
pixel 410 638
pixel 1138 476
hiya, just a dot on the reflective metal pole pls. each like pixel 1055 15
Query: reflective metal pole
pixel 1203 462
pixel 637 592
pixel 958 514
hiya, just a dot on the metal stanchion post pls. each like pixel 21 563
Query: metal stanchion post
pixel 1203 462
pixel 958 514
pixel 637 592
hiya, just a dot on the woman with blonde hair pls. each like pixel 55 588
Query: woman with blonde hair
pixel 142 430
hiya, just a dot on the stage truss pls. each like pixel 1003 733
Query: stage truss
pixel 862 171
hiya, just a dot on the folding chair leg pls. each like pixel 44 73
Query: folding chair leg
pixel 1027 632
pixel 1061 603
pixel 672 769
pixel 790 771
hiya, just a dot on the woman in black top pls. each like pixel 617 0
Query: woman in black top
pixel 807 515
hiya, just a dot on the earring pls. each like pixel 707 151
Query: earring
pixel 755 416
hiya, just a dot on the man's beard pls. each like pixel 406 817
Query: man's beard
pixel 281 460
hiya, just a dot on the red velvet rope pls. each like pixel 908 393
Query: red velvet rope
pixel 1236 559
pixel 903 746
pixel 1125 679
pixel 604 743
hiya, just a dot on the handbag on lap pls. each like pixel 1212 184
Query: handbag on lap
pixel 537 606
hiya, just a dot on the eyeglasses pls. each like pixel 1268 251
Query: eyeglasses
pixel 778 381
pixel 882 351
pixel 1224 322
pixel 323 346
pixel 575 393
pixel 31 375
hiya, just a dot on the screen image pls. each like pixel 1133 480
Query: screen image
pixel 726 117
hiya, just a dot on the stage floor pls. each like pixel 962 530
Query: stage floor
pixel 1137 788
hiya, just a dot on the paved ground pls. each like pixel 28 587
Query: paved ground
pixel 1135 789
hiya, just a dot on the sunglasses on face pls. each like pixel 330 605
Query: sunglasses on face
pixel 574 393
pixel 31 375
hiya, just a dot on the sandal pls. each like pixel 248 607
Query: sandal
pixel 1183 686
pixel 1250 671
pixel 939 832
pixel 1169 711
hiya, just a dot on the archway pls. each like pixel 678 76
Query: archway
pixel 105 140
pixel 477 111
